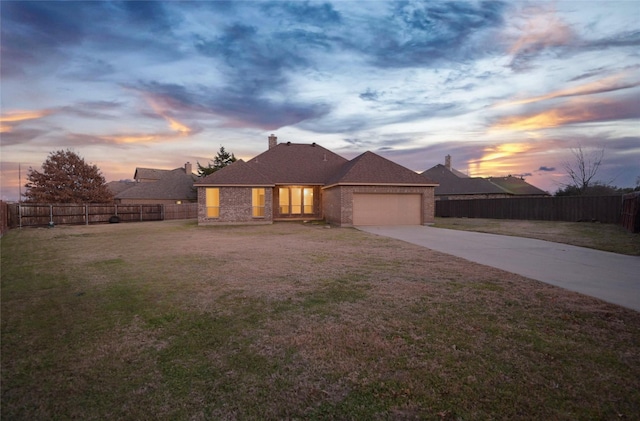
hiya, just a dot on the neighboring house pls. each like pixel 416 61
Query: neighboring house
pixel 293 181
pixel 457 185
pixel 155 186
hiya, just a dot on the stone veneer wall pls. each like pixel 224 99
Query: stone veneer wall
pixel 235 207
pixel 338 202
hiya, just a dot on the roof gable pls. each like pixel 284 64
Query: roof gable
pixel 149 173
pixel 370 168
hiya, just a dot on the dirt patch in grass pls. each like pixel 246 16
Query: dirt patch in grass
pixel 606 237
pixel 170 320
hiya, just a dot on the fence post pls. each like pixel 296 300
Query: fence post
pixel 20 215
pixel 162 213
pixel 86 214
pixel 50 215
pixel 140 213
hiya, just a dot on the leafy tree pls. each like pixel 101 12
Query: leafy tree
pixel 222 159
pixel 66 178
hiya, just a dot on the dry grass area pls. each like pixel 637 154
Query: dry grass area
pixel 607 237
pixel 168 320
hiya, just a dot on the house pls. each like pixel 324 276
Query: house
pixel 454 184
pixel 155 186
pixel 293 181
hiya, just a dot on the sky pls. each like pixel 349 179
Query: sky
pixel 504 87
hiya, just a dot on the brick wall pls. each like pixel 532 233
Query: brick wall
pixel 235 207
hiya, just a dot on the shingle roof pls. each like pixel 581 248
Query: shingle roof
pixel 370 168
pixel 517 186
pixel 293 163
pixel 451 183
pixel 237 174
pixel 149 173
pixel 286 163
pixel 117 187
pixel 172 185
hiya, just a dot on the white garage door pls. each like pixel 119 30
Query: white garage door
pixel 387 209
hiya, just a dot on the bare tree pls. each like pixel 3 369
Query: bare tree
pixel 583 167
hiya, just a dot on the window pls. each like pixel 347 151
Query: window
pixel 213 202
pixel 284 200
pixel 257 201
pixel 308 200
pixel 296 200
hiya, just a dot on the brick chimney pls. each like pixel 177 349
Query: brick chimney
pixel 447 162
pixel 187 168
pixel 273 141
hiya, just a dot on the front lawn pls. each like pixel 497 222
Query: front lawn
pixel 168 320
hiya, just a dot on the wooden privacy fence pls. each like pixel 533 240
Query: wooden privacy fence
pixel 606 209
pixel 4 218
pixel 631 212
pixel 30 214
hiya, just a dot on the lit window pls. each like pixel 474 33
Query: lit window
pixel 296 200
pixel 257 200
pixel 213 202
pixel 284 200
pixel 308 200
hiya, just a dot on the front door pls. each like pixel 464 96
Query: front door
pixel 296 201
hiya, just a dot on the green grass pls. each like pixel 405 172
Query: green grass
pixel 606 237
pixel 173 321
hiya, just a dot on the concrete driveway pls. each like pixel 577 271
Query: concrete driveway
pixel 611 277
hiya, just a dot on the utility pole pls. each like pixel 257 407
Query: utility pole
pixel 19 183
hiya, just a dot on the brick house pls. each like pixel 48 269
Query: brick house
pixel 292 181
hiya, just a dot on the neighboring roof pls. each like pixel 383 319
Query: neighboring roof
pixel 516 186
pixel 370 168
pixel 117 187
pixel 149 173
pixel 451 183
pixel 237 174
pixel 172 185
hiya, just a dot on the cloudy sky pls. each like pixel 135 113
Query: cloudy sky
pixel 504 87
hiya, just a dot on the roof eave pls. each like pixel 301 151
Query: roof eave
pixel 381 184
pixel 233 185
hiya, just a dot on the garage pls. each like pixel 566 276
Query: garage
pixel 387 209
